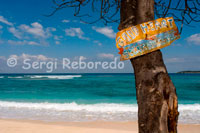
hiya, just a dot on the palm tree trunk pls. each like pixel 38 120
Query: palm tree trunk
pixel 156 94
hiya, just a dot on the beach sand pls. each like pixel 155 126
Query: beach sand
pixel 25 126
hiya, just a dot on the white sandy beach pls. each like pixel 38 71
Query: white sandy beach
pixel 25 126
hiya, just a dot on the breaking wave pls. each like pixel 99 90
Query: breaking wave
pixel 189 113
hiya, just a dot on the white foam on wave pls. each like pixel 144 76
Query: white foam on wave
pixel 189 107
pixel 1 77
pixel 55 76
pixel 189 113
pixel 103 107
pixel 68 111
pixel 17 77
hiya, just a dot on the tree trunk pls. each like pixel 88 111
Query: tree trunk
pixel 156 94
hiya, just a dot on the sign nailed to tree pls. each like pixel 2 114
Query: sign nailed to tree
pixel 146 37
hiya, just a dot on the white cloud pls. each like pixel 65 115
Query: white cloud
pixel 66 21
pixel 33 32
pixel 194 39
pixel 57 42
pixel 32 57
pixel 5 21
pixel 75 32
pixel 24 42
pixel 32 43
pixel 57 37
pixel 106 55
pixel 15 32
pixel 35 29
pixel 80 58
pixel 175 60
pixel 107 31
pixel 73 21
pixel 97 42
pixel 49 31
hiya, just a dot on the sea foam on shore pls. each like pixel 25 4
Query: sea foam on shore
pixel 85 112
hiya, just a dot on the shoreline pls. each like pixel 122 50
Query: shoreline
pixel 30 126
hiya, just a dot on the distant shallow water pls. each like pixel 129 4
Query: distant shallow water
pixel 87 97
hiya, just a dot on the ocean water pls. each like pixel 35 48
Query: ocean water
pixel 87 97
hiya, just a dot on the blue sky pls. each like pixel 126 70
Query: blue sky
pixel 26 33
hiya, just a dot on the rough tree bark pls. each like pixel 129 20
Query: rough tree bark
pixel 156 94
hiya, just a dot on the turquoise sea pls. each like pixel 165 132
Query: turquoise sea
pixel 86 97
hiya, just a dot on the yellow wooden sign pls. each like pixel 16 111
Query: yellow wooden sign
pixel 146 37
